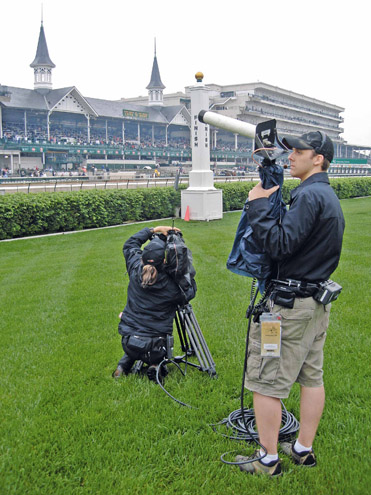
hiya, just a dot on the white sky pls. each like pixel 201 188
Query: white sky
pixel 318 48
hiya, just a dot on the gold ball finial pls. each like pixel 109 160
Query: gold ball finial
pixel 199 76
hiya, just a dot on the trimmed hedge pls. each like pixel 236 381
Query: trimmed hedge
pixel 235 193
pixel 44 213
pixel 34 214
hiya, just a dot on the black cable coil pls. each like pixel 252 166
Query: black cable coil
pixel 236 422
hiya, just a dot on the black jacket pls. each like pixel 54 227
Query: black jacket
pixel 148 311
pixel 307 244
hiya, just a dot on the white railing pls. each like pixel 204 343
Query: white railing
pixel 54 186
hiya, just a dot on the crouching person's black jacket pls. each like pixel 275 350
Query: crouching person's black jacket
pixel 149 311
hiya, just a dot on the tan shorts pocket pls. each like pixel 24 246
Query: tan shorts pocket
pixel 268 369
pixel 262 369
pixel 295 322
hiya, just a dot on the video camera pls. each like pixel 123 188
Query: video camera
pixel 179 263
pixel 267 145
pixel 178 256
pixel 246 257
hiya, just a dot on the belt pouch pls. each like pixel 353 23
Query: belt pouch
pixel 139 344
pixel 283 296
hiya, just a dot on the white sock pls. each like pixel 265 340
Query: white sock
pixel 299 448
pixel 268 458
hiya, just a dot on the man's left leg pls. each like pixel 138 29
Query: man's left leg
pixel 312 401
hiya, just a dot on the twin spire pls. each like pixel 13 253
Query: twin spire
pixel 155 86
pixel 43 66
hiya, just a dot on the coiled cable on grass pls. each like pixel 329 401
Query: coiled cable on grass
pixel 235 423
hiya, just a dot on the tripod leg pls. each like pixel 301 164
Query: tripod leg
pixel 201 348
pixel 202 340
pixel 195 344
pixel 179 321
pixel 198 341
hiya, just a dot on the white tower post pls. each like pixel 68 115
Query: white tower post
pixel 201 199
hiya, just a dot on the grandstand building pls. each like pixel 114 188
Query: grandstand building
pixel 60 128
pixel 255 102
pixel 44 127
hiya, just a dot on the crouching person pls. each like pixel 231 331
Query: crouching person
pixel 152 300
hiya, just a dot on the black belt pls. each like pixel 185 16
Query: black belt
pixel 283 293
pixel 299 288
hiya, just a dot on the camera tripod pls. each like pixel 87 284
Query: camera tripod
pixel 192 343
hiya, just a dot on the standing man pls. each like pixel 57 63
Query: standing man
pixel 305 249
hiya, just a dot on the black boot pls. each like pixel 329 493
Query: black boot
pixel 124 366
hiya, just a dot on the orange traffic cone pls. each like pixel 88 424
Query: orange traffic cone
pixel 186 216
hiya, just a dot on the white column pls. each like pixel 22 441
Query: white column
pixel 88 126
pixel 201 176
pixel 202 200
pixel 1 123
pixel 48 125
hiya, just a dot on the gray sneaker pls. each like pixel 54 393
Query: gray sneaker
pixel 307 459
pixel 271 469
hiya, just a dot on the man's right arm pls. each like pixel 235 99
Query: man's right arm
pixel 281 239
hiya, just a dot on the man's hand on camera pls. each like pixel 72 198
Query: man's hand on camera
pixel 164 229
pixel 258 192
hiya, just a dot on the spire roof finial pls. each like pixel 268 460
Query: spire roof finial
pixel 155 82
pixel 42 55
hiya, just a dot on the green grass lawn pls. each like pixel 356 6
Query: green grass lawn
pixel 68 428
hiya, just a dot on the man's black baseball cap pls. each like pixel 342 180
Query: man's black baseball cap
pixel 154 252
pixel 317 141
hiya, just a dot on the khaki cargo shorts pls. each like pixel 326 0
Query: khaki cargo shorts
pixel 302 340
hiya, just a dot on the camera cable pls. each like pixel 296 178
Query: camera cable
pixel 242 421
pixel 158 380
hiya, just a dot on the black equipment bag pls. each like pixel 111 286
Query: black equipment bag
pixel 151 350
